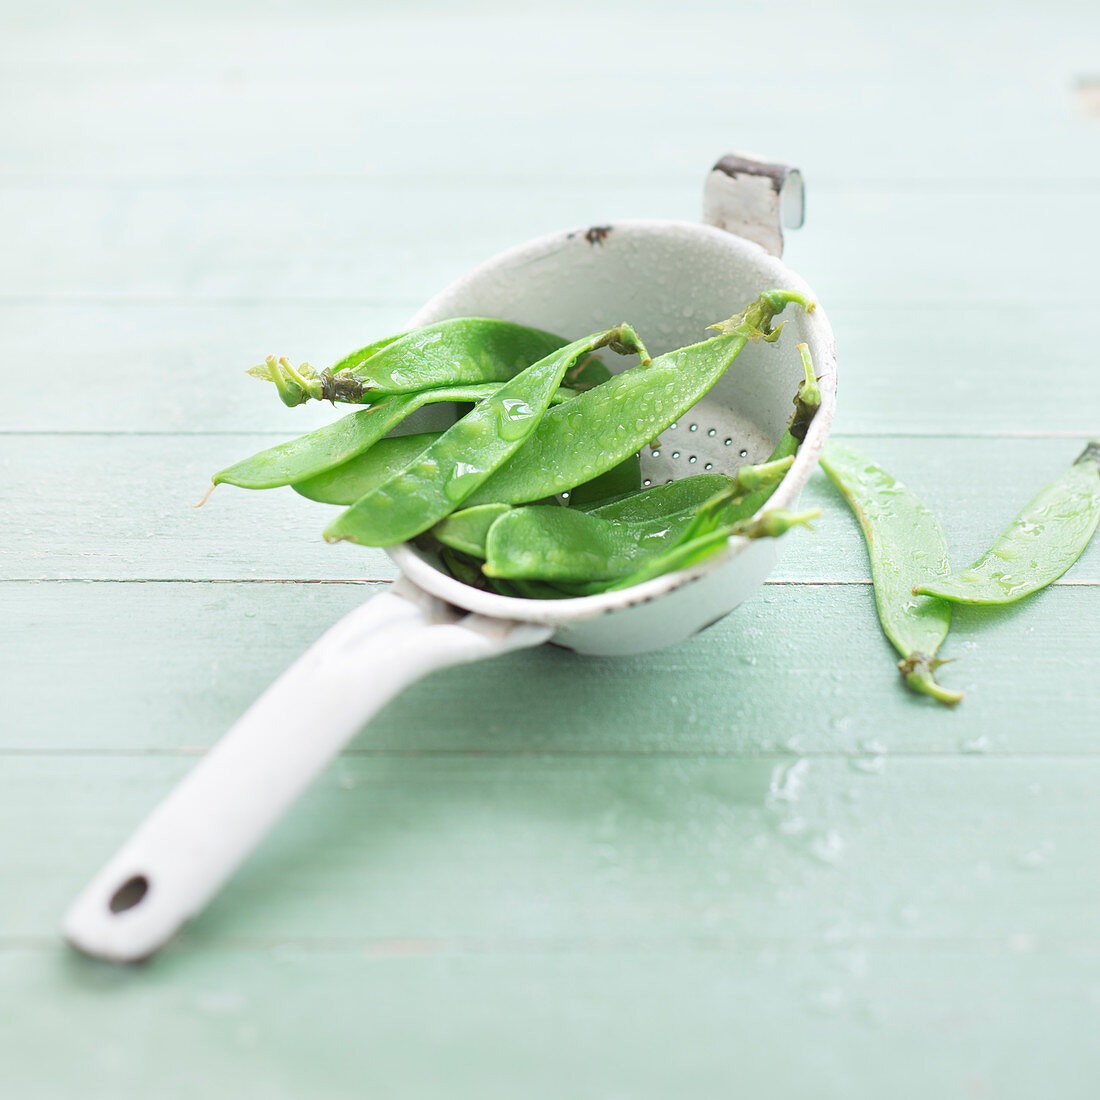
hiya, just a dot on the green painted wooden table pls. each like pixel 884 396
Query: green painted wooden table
pixel 750 865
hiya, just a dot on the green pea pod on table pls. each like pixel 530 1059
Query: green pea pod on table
pixel 464 351
pixel 1040 544
pixel 601 427
pixel 904 543
pixel 468 452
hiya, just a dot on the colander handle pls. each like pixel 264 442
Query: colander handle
pixel 200 834
pixel 754 198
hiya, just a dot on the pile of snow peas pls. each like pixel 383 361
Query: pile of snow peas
pixel 535 491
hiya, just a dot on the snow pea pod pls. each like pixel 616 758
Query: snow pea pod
pixel 604 425
pixel 586 374
pixel 468 452
pixel 616 482
pixel 905 543
pixel 729 506
pixel 463 351
pixel 462 568
pixel 731 501
pixel 296 386
pixel 466 530
pixel 329 446
pixel 688 552
pixel 676 496
pixel 468 570
pixel 1040 544
pixel 470 526
pixel 346 483
pixel 621 479
pixel 560 544
pixel 807 400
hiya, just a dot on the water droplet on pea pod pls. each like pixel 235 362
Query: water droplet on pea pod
pixel 515 418
pixel 462 480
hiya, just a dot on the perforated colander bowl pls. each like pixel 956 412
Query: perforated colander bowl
pixel 680 277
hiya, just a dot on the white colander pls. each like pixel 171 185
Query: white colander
pixel 670 279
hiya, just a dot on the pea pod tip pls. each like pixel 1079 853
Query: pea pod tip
pixel 206 495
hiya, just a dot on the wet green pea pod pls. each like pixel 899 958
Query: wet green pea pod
pixel 462 567
pixel 467 529
pixel 463 351
pixel 686 552
pixel 904 543
pixel 1040 544
pixel 468 452
pixel 590 371
pixel 734 503
pixel 731 502
pixel 807 400
pixel 331 447
pixel 297 385
pixel 616 482
pixel 527 590
pixel 605 425
pixel 659 500
pixel 468 570
pixel 732 507
pixel 333 444
pixel 560 544
pixel 346 483
pixel 556 544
